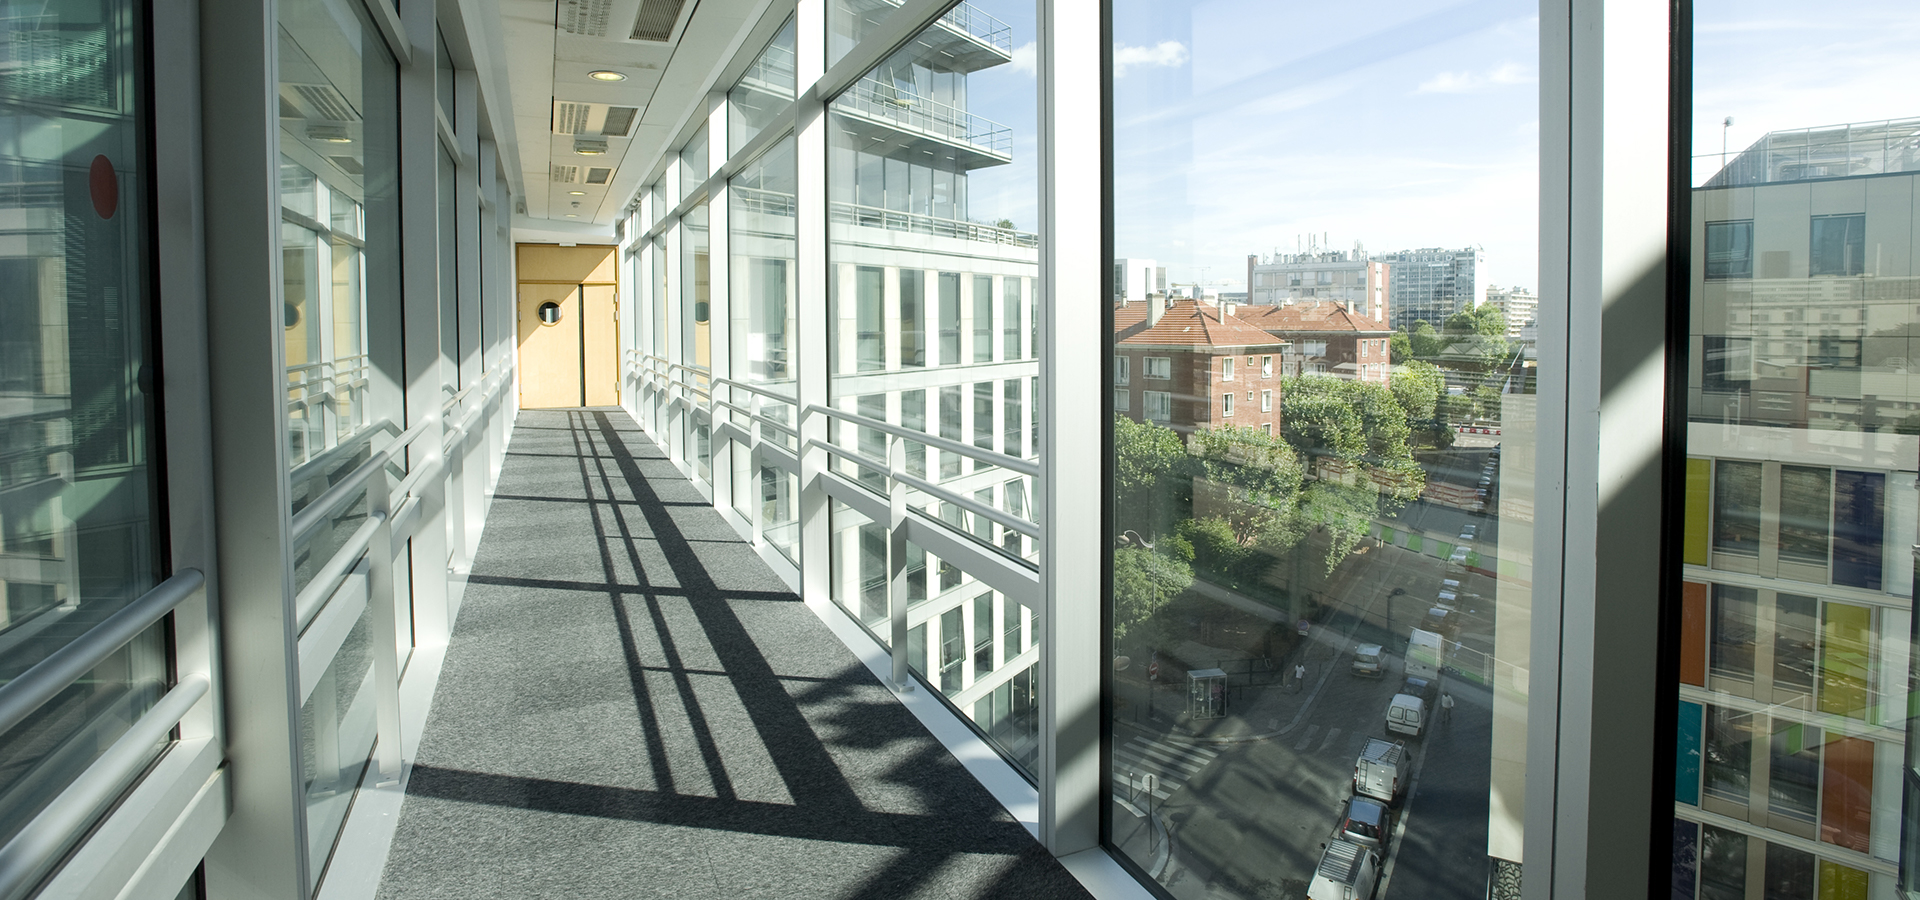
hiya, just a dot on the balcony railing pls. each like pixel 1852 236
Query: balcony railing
pixel 916 223
pixel 1867 148
pixel 874 99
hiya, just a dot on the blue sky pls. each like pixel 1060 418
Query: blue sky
pixel 1775 65
pixel 1244 125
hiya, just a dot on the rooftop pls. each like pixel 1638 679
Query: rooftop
pixel 1310 318
pixel 1193 323
pixel 1829 151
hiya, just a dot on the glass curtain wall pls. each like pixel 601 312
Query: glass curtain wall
pixel 763 300
pixel 932 211
pixel 1323 448
pixel 79 515
pixel 1793 756
pixel 339 245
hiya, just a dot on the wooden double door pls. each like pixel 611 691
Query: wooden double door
pixel 569 346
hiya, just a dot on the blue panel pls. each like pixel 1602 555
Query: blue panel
pixel 1686 858
pixel 1858 514
pixel 1686 764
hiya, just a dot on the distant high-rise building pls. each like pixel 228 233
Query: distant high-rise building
pixel 1518 304
pixel 1134 279
pixel 1348 277
pixel 1431 284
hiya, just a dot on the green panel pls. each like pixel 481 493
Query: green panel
pixel 1693 546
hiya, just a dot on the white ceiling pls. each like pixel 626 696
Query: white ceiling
pixel 664 80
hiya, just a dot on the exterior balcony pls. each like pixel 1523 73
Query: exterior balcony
pixel 966 39
pixel 891 121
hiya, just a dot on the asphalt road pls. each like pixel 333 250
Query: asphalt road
pixel 1247 820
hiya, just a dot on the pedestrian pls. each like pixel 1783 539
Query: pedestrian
pixel 1446 708
pixel 1299 676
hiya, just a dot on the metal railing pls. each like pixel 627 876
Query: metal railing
pixel 893 468
pixel 842 213
pixel 899 107
pixel 37 848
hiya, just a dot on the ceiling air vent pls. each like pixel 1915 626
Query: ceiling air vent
pixel 587 17
pixel 656 18
pixel 570 118
pixel 599 175
pixel 619 120
pixel 565 174
pixel 321 101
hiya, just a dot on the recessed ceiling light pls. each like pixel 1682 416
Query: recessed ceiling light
pixel 604 75
pixel 577 193
pixel 573 215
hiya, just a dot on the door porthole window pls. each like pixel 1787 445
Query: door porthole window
pixel 549 313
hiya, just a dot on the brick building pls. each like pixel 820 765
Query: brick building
pixel 1326 338
pixel 1188 364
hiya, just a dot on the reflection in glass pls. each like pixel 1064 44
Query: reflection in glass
pixel 766 88
pixel 79 538
pixel 340 252
pixel 1803 298
pixel 1318 540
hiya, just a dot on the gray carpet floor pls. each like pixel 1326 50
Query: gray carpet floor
pixel 633 705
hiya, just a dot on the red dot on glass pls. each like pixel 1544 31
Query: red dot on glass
pixel 104 184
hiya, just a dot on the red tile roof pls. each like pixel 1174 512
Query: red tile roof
pixel 1310 318
pixel 1189 323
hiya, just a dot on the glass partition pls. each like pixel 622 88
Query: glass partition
pixel 79 516
pixel 1802 443
pixel 766 88
pixel 1323 438
pixel 340 252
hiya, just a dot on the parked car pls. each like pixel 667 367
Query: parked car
pixel 1406 714
pixel 1367 659
pixel 1367 822
pixel 1347 871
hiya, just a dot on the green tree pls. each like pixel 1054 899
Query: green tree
pixel 1259 472
pixel 1424 342
pixel 1486 400
pixel 1144 582
pixel 1417 387
pixel 1400 346
pixel 1152 476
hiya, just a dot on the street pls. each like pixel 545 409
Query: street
pixel 1248 803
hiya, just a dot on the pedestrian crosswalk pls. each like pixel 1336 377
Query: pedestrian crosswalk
pixel 1170 764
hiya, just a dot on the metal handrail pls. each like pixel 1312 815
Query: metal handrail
pixel 927 487
pixel 20 697
pixel 348 447
pixel 1000 460
pixel 38 847
pixel 323 507
pixel 313 597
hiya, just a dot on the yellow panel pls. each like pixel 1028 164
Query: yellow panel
pixel 590 264
pixel 1841 882
pixel 1693 547
pixel 549 354
pixel 1846 658
pixel 603 346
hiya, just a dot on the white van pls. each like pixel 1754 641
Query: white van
pixel 1347 871
pixel 1406 714
pixel 1376 773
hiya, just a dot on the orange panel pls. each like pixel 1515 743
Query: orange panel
pixel 589 264
pixel 1693 634
pixel 603 347
pixel 549 352
pixel 1846 793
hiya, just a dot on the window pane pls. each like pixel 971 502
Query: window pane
pixel 1802 320
pixel 766 88
pixel 78 529
pixel 1282 495
pixel 340 253
pixel 932 205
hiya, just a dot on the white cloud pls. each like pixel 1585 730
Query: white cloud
pixel 1466 82
pixel 1026 59
pixel 1165 53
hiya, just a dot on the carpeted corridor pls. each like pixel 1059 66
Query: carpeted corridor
pixel 633 705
